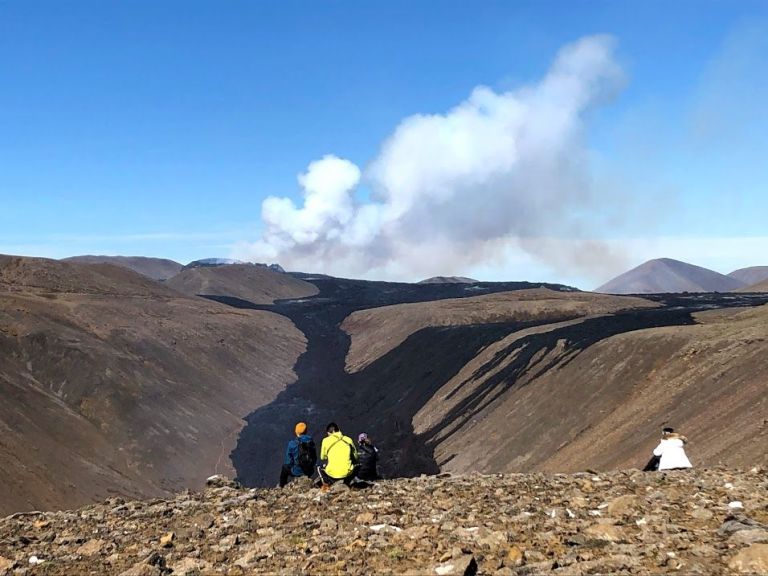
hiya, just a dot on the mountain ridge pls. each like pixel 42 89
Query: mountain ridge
pixel 666 275
pixel 155 268
pixel 751 275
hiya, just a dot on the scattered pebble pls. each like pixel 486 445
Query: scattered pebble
pixel 632 523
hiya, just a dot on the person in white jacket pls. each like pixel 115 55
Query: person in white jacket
pixel 671 451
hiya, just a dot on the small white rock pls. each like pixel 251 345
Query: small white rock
pixel 641 522
pixel 387 527
pixel 445 569
pixel 34 560
pixel 570 514
pixel 728 485
pixel 735 505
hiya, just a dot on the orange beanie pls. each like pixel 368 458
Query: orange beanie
pixel 301 428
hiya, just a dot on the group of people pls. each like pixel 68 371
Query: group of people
pixel 340 459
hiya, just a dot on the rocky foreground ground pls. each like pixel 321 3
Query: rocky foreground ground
pixel 698 522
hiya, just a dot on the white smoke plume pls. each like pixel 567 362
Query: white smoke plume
pixel 455 190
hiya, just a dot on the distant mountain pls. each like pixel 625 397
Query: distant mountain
pixel 751 275
pixel 205 262
pixel 759 287
pixel 448 280
pixel 255 283
pixel 155 268
pixel 667 275
pixel 213 262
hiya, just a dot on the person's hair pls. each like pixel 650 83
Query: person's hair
pixel 667 430
pixel 331 428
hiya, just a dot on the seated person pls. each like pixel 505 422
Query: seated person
pixel 339 457
pixel 368 458
pixel 300 455
pixel 671 451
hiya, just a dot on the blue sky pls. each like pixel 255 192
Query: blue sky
pixel 159 128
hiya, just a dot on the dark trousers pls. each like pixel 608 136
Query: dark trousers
pixel 330 480
pixel 368 475
pixel 653 464
pixel 285 474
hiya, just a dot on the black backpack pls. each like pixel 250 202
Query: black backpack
pixel 307 456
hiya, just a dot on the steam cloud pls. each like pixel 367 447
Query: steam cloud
pixel 451 191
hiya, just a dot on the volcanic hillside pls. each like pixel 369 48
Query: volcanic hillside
pixel 590 392
pixel 115 384
pixel 752 275
pixel 513 378
pixel 666 276
pixel 256 284
pixel 759 287
pixel 594 393
pixel 155 268
pixel 376 331
pixel 448 280
pixel 112 383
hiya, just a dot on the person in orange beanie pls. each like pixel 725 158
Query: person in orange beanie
pixel 300 455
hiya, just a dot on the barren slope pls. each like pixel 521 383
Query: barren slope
pixel 252 283
pixel 666 275
pixel 581 401
pixel 376 331
pixel 155 268
pixel 113 383
pixel 759 287
pixel 751 275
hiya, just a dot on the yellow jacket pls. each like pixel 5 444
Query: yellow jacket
pixel 341 454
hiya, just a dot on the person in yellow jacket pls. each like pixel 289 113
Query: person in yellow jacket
pixel 338 455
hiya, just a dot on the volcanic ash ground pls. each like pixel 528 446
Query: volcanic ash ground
pixel 693 522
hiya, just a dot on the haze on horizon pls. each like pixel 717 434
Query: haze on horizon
pixel 501 141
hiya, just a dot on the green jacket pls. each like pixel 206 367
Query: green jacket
pixel 341 454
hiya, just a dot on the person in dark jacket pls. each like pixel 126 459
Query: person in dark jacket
pixel 368 458
pixel 300 456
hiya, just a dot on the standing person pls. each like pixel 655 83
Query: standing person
pixel 339 457
pixel 671 451
pixel 368 457
pixel 300 455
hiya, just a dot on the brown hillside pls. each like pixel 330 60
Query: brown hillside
pixel 155 268
pixel 759 287
pixel 566 408
pixel 41 275
pixel 114 384
pixel 664 275
pixel 376 331
pixel 252 283
pixel 751 275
